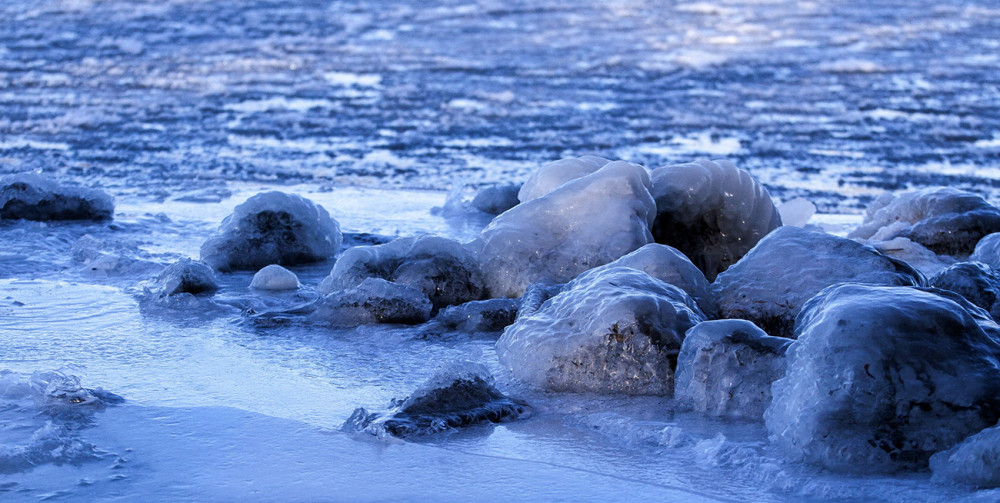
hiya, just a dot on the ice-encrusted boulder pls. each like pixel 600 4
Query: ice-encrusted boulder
pixel 914 254
pixel 711 211
pixel 881 378
pixel 582 224
pixel 30 196
pixel 186 276
pixel 974 462
pixel 975 281
pixel 726 368
pixel 987 251
pixel 374 300
pixel 276 278
pixel 945 220
pixel 556 173
pixel 491 315
pixel 614 330
pixel 770 284
pixel 443 269
pixel 272 228
pixel 496 199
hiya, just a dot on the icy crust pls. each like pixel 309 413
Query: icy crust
pixel 583 224
pixel 443 269
pixel 491 315
pixel 976 282
pixel 770 284
pixel 185 276
pixel 554 174
pixel 375 300
pixel 975 461
pixel 614 330
pixel 496 199
pixel 31 197
pixel 881 378
pixel 460 396
pixel 945 220
pixel 914 254
pixel 726 368
pixel 987 251
pixel 711 211
pixel 272 228
pixel 275 278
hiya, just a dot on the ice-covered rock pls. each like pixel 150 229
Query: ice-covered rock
pixel 711 211
pixel 613 330
pixel 460 396
pixel 726 368
pixel 496 199
pixel 770 284
pixel 945 220
pixel 534 296
pixel 375 300
pixel 186 276
pixel 975 281
pixel 32 197
pixel 882 377
pixel 987 251
pixel 272 228
pixel 492 315
pixel 914 254
pixel 974 462
pixel 441 268
pixel 275 277
pixel 582 224
pixel 556 173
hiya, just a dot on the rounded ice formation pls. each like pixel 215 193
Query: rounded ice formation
pixel 726 368
pixel 974 462
pixel 275 277
pixel 583 224
pixel 375 300
pixel 976 282
pixel 556 173
pixel 441 268
pixel 711 211
pixel 496 199
pixel 272 228
pixel 614 330
pixel 988 251
pixel 492 315
pixel 945 220
pixel 882 377
pixel 32 197
pixel 186 276
pixel 770 284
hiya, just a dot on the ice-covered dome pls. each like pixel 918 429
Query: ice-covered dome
pixel 32 197
pixel 556 173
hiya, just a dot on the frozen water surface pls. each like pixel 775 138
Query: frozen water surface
pixel 183 109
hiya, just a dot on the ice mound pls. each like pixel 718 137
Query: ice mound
pixel 496 199
pixel 987 251
pixel 882 377
pixel 460 396
pixel 612 330
pixel 275 277
pixel 914 254
pixel 945 220
pixel 711 211
pixel 272 228
pixel 556 173
pixel 441 268
pixel 974 462
pixel 976 282
pixel 796 212
pixel 31 197
pixel 491 315
pixel 726 368
pixel 375 300
pixel 583 224
pixel 770 284
pixel 185 276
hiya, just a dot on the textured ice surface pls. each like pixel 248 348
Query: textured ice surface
pixel 112 258
pixel 374 300
pixel 770 284
pixel 186 276
pixel 492 315
pixel 496 199
pixel 987 250
pixel 583 224
pixel 441 268
pixel 273 228
pixel 614 330
pixel 975 461
pixel 882 377
pixel 711 211
pixel 33 197
pixel 977 282
pixel 943 219
pixel 274 277
pixel 726 367
pixel 554 174
pixel 914 254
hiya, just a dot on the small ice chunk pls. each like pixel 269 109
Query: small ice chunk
pixel 974 462
pixel 272 228
pixel 711 211
pixel 375 300
pixel 881 378
pixel 491 315
pixel 496 199
pixel 796 212
pixel 945 220
pixel 770 284
pixel 726 368
pixel 585 223
pixel 613 330
pixel 987 251
pixel 557 173
pixel 32 197
pixel 186 276
pixel 275 277
pixel 976 282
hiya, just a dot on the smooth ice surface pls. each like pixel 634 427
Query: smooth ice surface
pixel 374 300
pixel 987 250
pixel 975 281
pixel 975 461
pixel 274 277
pixel 496 199
pixel 554 174
pixel 34 197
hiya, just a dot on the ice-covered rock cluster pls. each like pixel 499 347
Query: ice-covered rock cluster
pixel 32 197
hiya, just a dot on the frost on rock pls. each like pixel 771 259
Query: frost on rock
pixel 375 300
pixel 726 368
pixel 988 251
pixel 491 315
pixel 770 284
pixel 881 378
pixel 443 269
pixel 32 197
pixel 976 282
pixel 613 330
pixel 554 174
pixel 713 212
pixel 974 462
pixel 583 224
pixel 945 220
pixel 186 276
pixel 274 277
pixel 496 199
pixel 272 228
pixel 460 396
